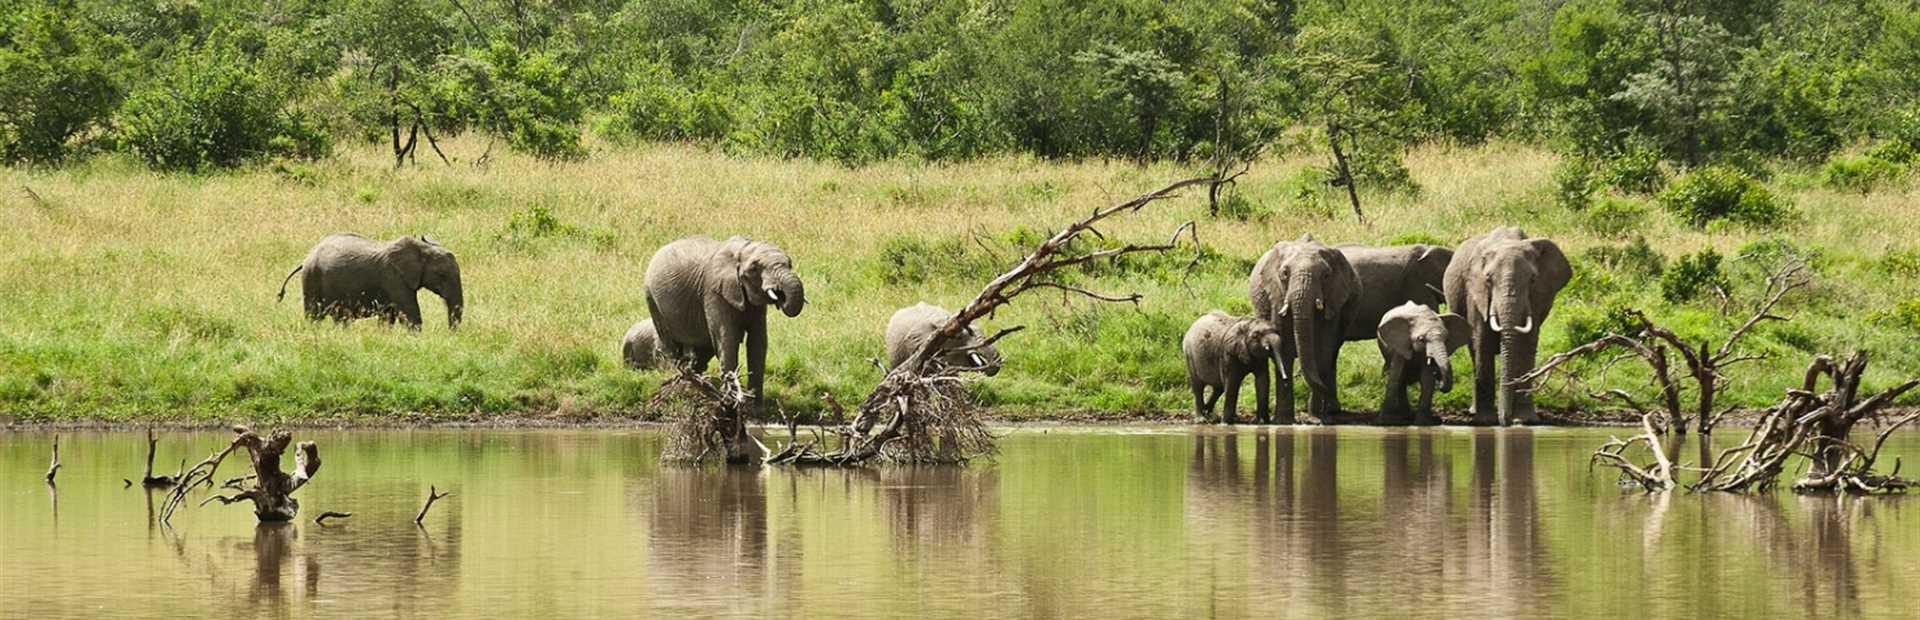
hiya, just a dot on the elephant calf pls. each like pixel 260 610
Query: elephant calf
pixel 1418 344
pixel 641 347
pixel 910 328
pixel 348 276
pixel 1220 351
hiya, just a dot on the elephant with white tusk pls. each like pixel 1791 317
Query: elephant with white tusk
pixel 1418 344
pixel 1307 290
pixel 1220 351
pixel 708 297
pixel 1504 283
pixel 910 328
pixel 347 276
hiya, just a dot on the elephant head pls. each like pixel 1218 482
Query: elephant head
pixel 1429 269
pixel 1254 341
pixel 1414 332
pixel 421 263
pixel 764 276
pixel 1315 286
pixel 970 353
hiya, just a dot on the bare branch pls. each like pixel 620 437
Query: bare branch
pixel 433 495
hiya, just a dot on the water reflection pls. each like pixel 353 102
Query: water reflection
pixel 708 539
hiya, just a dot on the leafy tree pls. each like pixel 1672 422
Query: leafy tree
pixel 55 83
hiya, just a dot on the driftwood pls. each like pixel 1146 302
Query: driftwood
pixel 322 519
pixel 1704 365
pixel 272 491
pixel 163 481
pixel 921 412
pixel 1815 426
pixel 433 495
pixel 54 468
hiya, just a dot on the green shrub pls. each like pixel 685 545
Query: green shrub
pixel 1634 171
pixel 658 108
pixel 1897 151
pixel 1899 263
pixel 1239 208
pixel 1306 192
pixel 1860 174
pixel 211 108
pixel 1587 325
pixel 1413 238
pixel 55 83
pixel 1636 259
pixel 1720 192
pixel 1691 275
pixel 1904 315
pixel 1616 217
pixel 1573 183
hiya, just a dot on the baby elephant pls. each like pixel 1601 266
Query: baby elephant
pixel 1417 344
pixel 1221 350
pixel 641 347
pixel 911 326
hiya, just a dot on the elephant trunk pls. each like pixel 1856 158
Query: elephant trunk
pixel 1516 360
pixel 456 303
pixel 792 295
pixel 1440 364
pixel 1303 306
pixel 1272 344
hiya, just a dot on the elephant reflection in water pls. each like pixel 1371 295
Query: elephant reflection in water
pixel 707 534
pixel 1415 500
pixel 936 504
pixel 1506 554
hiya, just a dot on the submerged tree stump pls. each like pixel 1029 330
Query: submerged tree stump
pixel 272 490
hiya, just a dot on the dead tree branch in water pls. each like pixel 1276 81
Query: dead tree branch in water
pixel 322 519
pixel 1816 426
pixel 921 412
pixel 1704 365
pixel 159 482
pixel 272 492
pixel 433 495
pixel 708 417
pixel 54 468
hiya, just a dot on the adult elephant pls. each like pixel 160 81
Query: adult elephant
pixel 1504 283
pixel 911 326
pixel 348 276
pixel 1307 290
pixel 708 297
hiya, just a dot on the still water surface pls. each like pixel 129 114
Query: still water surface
pixel 1106 523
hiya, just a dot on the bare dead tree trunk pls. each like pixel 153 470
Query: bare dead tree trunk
pixel 433 495
pixel 53 469
pixel 148 479
pixel 1346 173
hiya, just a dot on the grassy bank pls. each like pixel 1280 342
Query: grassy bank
pixel 129 294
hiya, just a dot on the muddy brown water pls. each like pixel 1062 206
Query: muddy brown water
pixel 1068 522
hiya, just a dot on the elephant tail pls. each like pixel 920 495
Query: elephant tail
pixel 283 283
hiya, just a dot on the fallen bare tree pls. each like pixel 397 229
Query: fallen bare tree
pixel 1816 426
pixel 272 490
pixel 921 412
pixel 1705 366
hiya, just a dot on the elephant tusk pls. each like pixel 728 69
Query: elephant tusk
pixel 773 294
pixel 1493 321
pixel 1284 308
pixel 977 360
pixel 1320 304
pixel 1527 328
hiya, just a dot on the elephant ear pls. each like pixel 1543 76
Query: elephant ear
pixel 729 274
pixel 408 261
pixel 1342 284
pixel 1554 270
pixel 1458 330
pixel 1396 334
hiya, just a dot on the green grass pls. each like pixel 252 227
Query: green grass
pixel 126 294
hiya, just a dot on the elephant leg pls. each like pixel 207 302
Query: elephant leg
pixel 1201 406
pixel 1231 414
pixel 1261 413
pixel 1393 409
pixel 725 331
pixel 756 354
pixel 1424 414
pixel 1283 388
pixel 1330 368
pixel 1485 346
pixel 405 309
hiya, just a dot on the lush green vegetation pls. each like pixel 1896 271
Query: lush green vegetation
pixel 135 293
pixel 178 155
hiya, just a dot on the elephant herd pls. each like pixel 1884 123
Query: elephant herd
pixel 706 297
pixel 1309 299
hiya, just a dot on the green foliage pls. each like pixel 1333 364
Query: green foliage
pixel 1615 218
pixel 1586 325
pixel 1573 183
pixel 1693 275
pixel 1635 170
pixel 213 108
pixel 1308 191
pixel 1242 209
pixel 1904 316
pixel 1862 174
pixel 1721 192
pixel 56 83
pixel 1412 238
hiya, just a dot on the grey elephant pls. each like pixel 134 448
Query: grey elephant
pixel 910 328
pixel 1392 276
pixel 1221 350
pixel 641 346
pixel 347 276
pixel 1418 344
pixel 1504 283
pixel 1307 290
pixel 708 297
